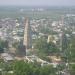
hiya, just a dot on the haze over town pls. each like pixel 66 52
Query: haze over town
pixel 37 37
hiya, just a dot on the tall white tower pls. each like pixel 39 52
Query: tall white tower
pixel 27 35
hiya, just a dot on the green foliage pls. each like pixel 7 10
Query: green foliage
pixel 3 44
pixel 60 67
pixel 15 44
pixel 72 69
pixel 45 48
pixel 47 70
pixel 64 42
pixel 71 50
pixel 24 68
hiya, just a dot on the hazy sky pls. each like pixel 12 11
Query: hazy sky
pixel 38 2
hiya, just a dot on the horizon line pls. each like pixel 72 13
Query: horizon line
pixel 42 5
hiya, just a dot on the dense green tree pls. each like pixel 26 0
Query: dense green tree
pixel 47 70
pixel 3 44
pixel 15 44
pixel 70 53
pixel 24 68
pixel 72 50
pixel 72 69
pixel 64 42
pixel 46 48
